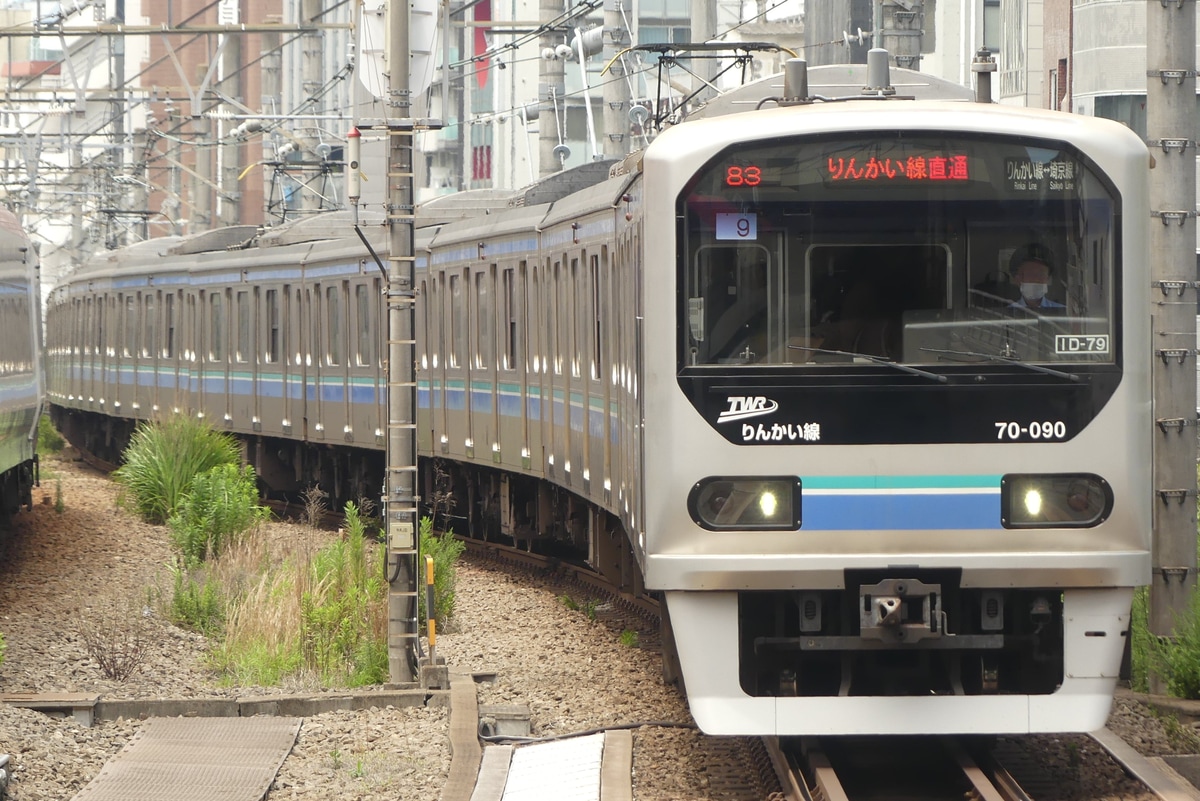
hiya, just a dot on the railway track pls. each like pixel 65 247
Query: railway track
pixel 892 768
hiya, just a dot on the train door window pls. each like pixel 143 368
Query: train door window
pixel 101 329
pixel 533 323
pixel 242 303
pixel 170 322
pixel 149 321
pixel 508 358
pixel 458 345
pixel 596 318
pixel 576 331
pixel 271 356
pixel 216 327
pixel 434 307
pixel 365 350
pixel 485 351
pixel 129 347
pixel 334 325
pixel 314 330
pixel 556 343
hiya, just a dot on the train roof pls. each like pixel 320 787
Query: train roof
pixel 834 81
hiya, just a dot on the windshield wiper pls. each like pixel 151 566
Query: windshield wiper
pixel 941 379
pixel 992 357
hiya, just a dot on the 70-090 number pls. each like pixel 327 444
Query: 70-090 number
pixel 1048 429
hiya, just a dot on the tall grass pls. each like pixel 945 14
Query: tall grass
pixel 164 457
pixel 322 616
pixel 445 551
pixel 220 506
pixel 49 440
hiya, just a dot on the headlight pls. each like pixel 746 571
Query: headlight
pixel 762 504
pixel 1062 500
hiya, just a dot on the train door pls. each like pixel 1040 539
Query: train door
pixel 559 395
pixel 542 445
pixel 581 375
pixel 436 317
pixel 458 385
pixel 190 345
pixel 272 389
pixel 511 420
pixel 366 380
pixel 243 370
pixel 211 348
pixel 293 360
pixel 314 402
pixel 599 341
pixel 336 378
pixel 483 387
pixel 150 311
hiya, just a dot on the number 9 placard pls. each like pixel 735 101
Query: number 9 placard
pixel 737 226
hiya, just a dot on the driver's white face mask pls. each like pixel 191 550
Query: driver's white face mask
pixel 1033 291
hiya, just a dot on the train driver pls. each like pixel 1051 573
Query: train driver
pixel 1031 267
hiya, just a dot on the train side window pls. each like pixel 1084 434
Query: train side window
pixel 170 322
pixel 216 327
pixel 364 353
pixel 508 358
pixel 271 356
pixel 149 321
pixel 129 347
pixel 243 327
pixel 333 320
pixel 485 335
pixel 577 335
pixel 555 339
pixel 457 322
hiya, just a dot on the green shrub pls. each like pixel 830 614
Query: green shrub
pixel 164 457
pixel 445 551
pixel 221 505
pixel 49 440
pixel 198 603
pixel 1 649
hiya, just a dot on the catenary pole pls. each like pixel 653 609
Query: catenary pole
pixel 1170 127
pixel 400 500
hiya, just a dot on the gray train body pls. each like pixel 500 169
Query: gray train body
pixel 920 507
pixel 22 387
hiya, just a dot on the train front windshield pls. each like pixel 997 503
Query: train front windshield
pixel 913 248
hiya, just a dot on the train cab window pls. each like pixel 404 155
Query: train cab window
pixel 216 328
pixel 898 248
pixel 271 356
pixel 244 348
pixel 333 329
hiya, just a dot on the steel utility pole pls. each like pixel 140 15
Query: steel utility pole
pixel 1170 127
pixel 615 91
pixel 400 501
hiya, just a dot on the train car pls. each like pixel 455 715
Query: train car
pixel 855 386
pixel 22 387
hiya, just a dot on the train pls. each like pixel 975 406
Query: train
pixel 856 385
pixel 22 380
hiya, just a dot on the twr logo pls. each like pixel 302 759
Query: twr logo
pixel 744 406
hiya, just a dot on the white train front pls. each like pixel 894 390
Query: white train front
pixel 897 459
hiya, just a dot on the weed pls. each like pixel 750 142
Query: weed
pixel 629 638
pixel 336 756
pixel 445 550
pixel 2 646
pixel 314 505
pixel 359 770
pixel 59 506
pixel 589 608
pixel 48 438
pixel 117 639
pixel 569 602
pixel 221 505
pixel 197 602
